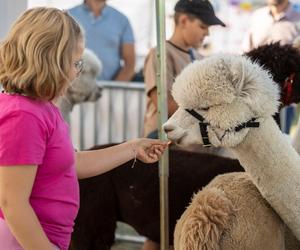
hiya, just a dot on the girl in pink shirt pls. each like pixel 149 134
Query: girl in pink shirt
pixel 39 194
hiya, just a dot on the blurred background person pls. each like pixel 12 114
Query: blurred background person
pixel 275 22
pixel 109 34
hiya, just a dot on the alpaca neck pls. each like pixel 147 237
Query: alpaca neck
pixel 269 158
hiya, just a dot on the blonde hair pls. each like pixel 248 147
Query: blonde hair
pixel 36 57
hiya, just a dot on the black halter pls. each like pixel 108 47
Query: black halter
pixel 203 126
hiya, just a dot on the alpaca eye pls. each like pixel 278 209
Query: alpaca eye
pixel 204 109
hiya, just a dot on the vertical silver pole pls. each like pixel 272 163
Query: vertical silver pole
pixel 110 118
pixel 140 112
pixel 162 117
pixel 96 123
pixel 82 127
pixel 125 115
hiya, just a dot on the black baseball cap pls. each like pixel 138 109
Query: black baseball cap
pixel 202 9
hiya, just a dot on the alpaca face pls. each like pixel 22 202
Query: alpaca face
pixel 227 90
pixel 85 87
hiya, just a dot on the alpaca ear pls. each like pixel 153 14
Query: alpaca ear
pixel 93 62
pixel 99 68
pixel 238 77
pixel 257 89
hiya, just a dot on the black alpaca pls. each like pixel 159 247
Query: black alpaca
pixel 282 61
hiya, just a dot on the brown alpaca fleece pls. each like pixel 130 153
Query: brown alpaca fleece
pixel 205 220
pixel 229 213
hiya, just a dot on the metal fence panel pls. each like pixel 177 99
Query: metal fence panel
pixel 117 116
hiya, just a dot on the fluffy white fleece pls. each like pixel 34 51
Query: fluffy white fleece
pixel 228 90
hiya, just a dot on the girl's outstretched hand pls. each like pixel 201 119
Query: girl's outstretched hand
pixel 148 150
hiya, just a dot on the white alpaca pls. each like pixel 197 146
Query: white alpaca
pixel 85 87
pixel 229 91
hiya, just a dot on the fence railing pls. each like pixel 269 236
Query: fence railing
pixel 117 116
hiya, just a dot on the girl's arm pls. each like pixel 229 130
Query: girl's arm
pixel 15 188
pixel 95 162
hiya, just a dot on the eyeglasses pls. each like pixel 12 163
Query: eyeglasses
pixel 79 66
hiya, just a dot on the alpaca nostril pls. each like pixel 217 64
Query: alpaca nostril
pixel 168 128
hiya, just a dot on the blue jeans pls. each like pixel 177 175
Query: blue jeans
pixel 289 116
pixel 153 134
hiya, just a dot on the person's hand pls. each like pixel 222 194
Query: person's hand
pixel 148 150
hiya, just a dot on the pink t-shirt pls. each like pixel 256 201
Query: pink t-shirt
pixel 34 132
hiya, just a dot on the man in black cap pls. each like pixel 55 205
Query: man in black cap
pixel 192 21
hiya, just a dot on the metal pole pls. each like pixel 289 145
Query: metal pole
pixel 162 117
